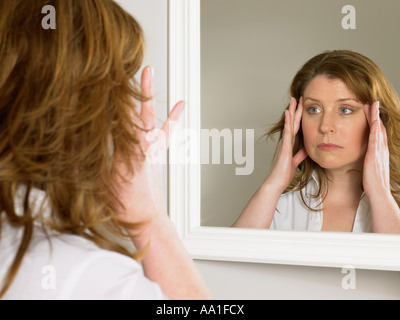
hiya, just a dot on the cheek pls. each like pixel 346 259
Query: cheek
pixel 359 134
pixel 309 132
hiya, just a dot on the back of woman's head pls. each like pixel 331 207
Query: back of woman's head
pixel 66 95
pixel 364 78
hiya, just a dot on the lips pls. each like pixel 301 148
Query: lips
pixel 328 147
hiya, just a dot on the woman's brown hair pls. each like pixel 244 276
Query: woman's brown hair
pixel 66 95
pixel 364 78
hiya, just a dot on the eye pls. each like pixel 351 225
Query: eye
pixel 313 110
pixel 345 110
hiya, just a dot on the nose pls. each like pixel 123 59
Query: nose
pixel 328 124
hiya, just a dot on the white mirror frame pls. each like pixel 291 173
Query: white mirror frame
pixel 323 249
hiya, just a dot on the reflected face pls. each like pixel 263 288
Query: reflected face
pixel 335 128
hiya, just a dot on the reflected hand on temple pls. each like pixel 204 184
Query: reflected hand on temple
pixel 376 175
pixel 260 210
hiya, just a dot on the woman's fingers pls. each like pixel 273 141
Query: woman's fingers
pixel 298 116
pixel 284 162
pixel 376 126
pixel 169 125
pixel 291 127
pixel 384 135
pixel 376 165
pixel 287 138
pixel 300 156
pixel 372 115
pixel 292 124
pixel 293 117
pixel 372 112
pixel 294 114
pixel 147 112
pixel 367 111
pixel 377 143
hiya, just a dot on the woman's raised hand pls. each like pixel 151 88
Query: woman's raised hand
pixel 142 195
pixel 284 165
pixel 166 260
pixel 260 210
pixel 376 176
pixel 376 180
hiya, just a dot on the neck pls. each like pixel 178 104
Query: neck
pixel 344 181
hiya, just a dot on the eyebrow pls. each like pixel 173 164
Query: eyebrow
pixel 339 100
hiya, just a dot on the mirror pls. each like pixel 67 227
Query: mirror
pixel 250 52
pixel 232 61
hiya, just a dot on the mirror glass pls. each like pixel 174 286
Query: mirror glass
pixel 250 52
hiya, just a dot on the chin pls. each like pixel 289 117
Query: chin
pixel 335 164
pixel 329 163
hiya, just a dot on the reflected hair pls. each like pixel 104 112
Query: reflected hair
pixel 364 78
pixel 66 94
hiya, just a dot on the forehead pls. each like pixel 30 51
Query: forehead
pixel 323 88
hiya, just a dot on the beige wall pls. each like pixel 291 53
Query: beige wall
pixel 230 280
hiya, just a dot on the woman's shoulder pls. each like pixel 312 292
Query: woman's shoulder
pixel 305 193
pixel 295 209
pixel 64 266
pixel 290 201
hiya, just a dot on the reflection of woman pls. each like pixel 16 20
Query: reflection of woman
pixel 340 126
pixel 74 180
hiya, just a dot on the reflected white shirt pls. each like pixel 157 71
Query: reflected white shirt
pixel 293 214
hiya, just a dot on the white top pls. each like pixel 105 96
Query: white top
pixel 71 267
pixel 292 214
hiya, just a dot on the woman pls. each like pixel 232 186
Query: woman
pixel 337 165
pixel 74 179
